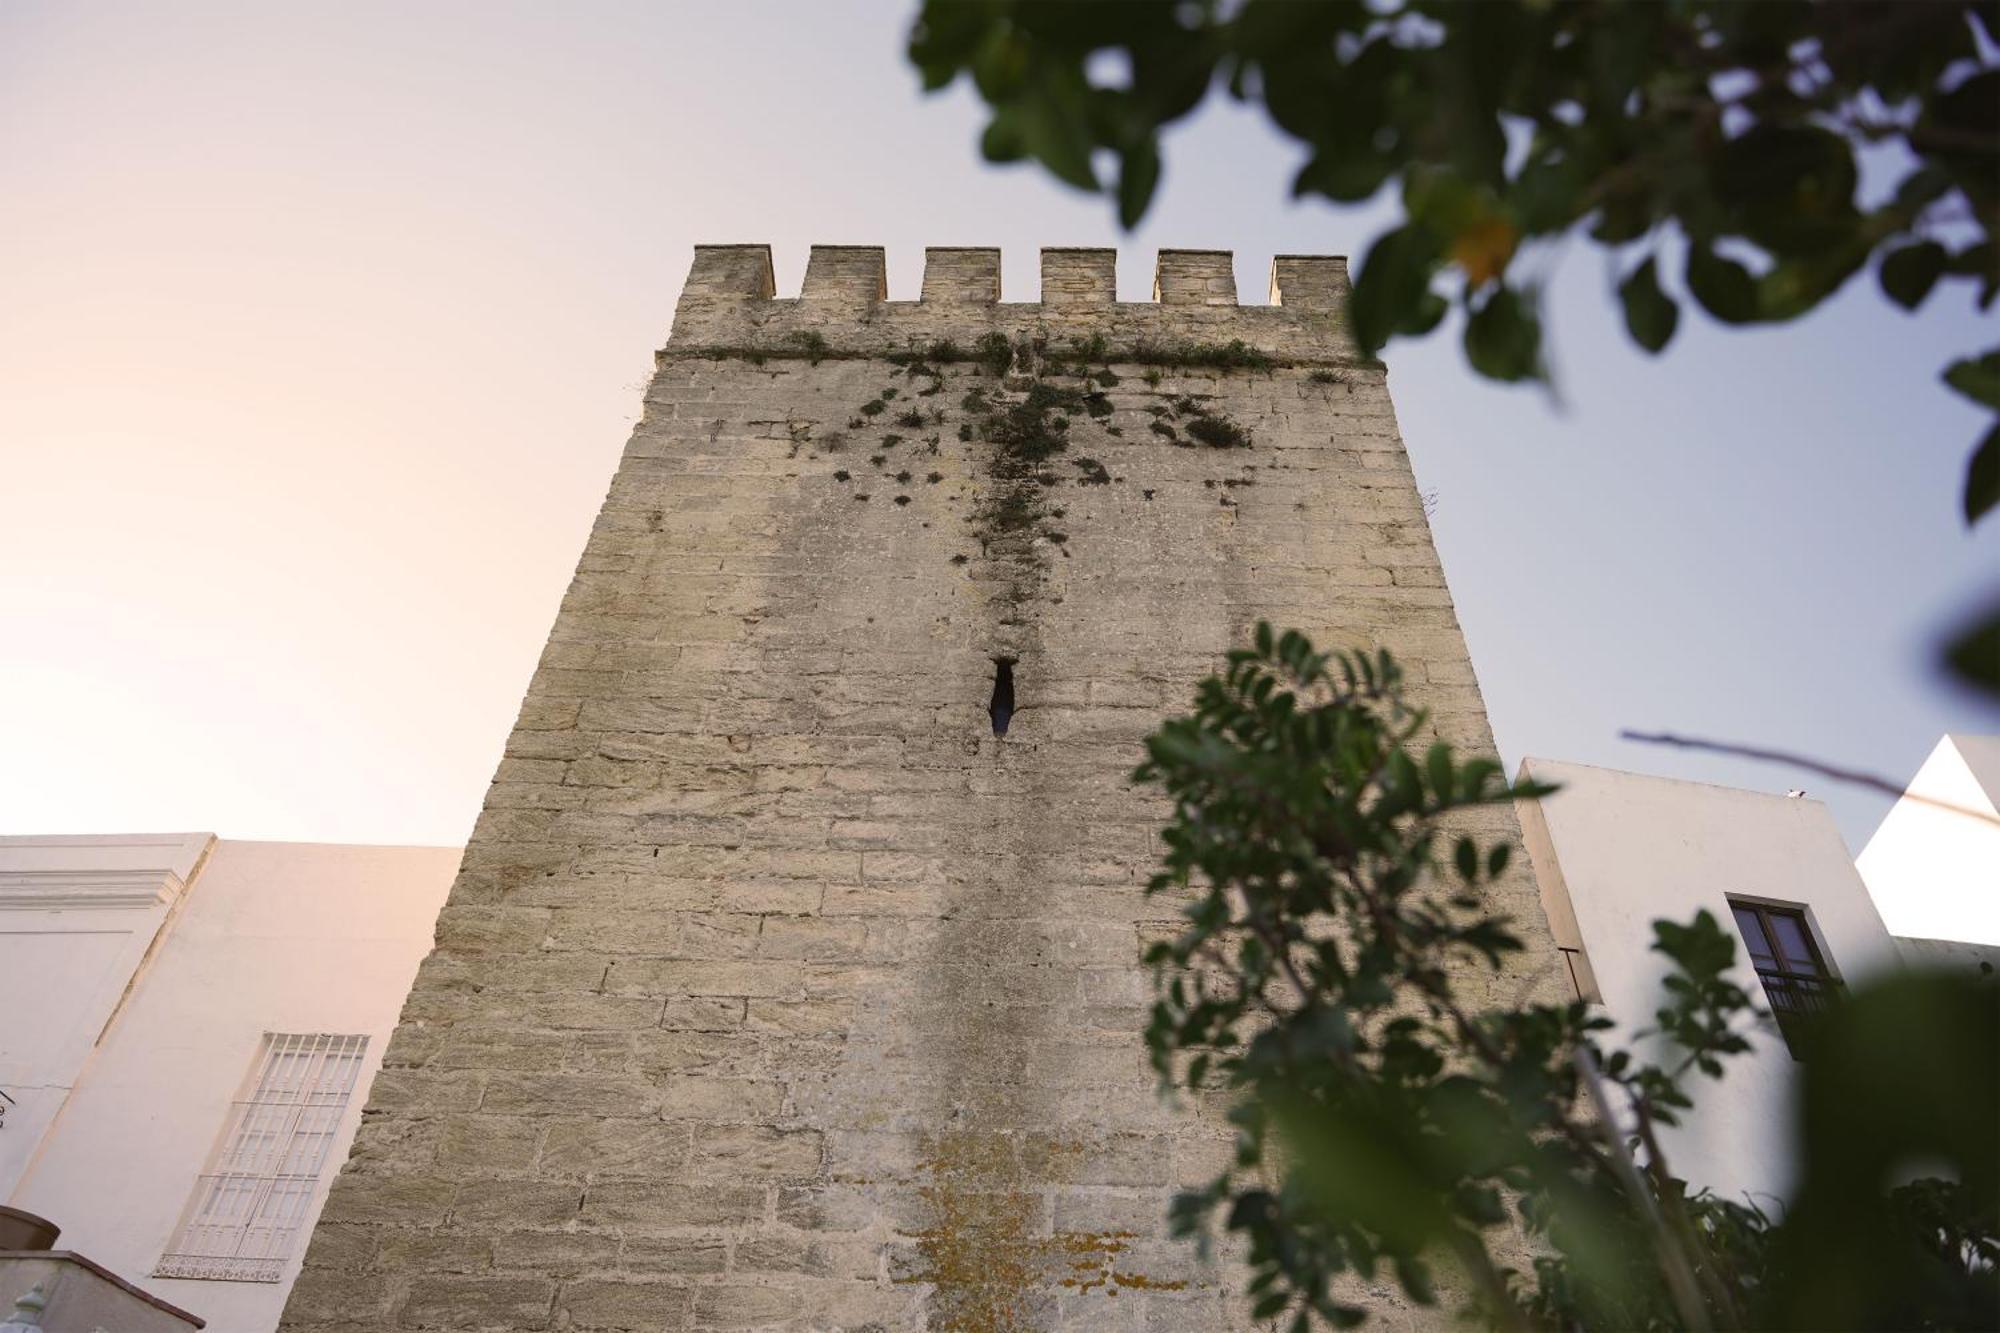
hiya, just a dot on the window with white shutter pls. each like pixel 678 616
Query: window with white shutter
pixel 249 1210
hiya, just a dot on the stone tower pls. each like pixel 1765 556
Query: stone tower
pixel 791 980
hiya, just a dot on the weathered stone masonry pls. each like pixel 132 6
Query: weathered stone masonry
pixel 776 990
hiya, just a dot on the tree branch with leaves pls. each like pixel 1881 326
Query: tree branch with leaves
pixel 1718 134
pixel 1333 918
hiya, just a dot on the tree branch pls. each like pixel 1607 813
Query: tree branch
pixel 1852 776
pixel 1677 1216
pixel 1674 1265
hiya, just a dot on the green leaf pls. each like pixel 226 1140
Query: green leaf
pixel 1003 140
pixel 1346 175
pixel 944 39
pixel 1426 315
pixel 1393 293
pixel 1503 339
pixel 1438 769
pixel 1909 274
pixel 1415 1279
pixel 1445 201
pixel 1787 187
pixel 1466 858
pixel 1270 1305
pixel 1923 187
pixel 1977 378
pixel 1650 314
pixel 1795 285
pixel 999 60
pixel 1544 195
pixel 1724 287
pixel 1973 654
pixel 1906 1069
pixel 1982 478
pixel 1138 177
pixel 1055 135
pixel 1980 261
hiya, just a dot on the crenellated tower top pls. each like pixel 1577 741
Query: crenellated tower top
pixel 730 302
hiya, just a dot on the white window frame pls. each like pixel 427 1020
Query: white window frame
pixel 251 1205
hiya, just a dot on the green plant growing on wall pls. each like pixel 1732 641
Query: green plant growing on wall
pixel 1387 1125
pixel 812 344
pixel 1712 135
pixel 994 352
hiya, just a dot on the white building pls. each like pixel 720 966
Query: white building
pixel 1933 871
pixel 190 1028
pixel 1614 852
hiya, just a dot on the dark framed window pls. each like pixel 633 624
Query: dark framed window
pixel 1797 982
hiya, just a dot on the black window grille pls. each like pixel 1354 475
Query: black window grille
pixel 1797 983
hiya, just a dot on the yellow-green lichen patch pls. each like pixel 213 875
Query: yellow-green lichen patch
pixel 988 1254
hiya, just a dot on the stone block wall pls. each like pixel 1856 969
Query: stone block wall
pixel 777 990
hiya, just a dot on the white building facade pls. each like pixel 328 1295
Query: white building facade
pixel 190 1030
pixel 1614 852
pixel 1933 869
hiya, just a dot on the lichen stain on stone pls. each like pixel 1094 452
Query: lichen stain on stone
pixel 986 1255
pixel 1092 1255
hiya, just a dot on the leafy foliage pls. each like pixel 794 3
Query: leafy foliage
pixel 1386 1126
pixel 1716 130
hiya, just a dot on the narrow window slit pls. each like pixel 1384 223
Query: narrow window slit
pixel 1002 707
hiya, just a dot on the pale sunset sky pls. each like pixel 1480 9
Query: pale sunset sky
pixel 322 327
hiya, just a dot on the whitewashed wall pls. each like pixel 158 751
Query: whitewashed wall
pixel 78 918
pixel 267 937
pixel 1614 852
